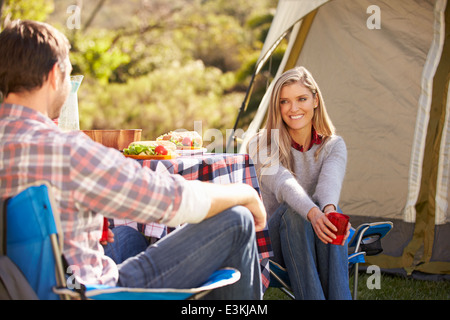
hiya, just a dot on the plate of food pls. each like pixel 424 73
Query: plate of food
pixel 186 142
pixel 155 157
pixel 190 152
pixel 151 150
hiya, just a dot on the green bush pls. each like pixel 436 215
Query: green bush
pixel 164 100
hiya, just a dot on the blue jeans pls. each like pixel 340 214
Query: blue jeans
pixel 316 270
pixel 186 257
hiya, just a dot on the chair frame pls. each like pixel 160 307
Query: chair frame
pixel 364 232
pixel 368 232
pixel 219 278
pixel 283 285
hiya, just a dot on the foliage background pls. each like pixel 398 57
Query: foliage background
pixel 160 65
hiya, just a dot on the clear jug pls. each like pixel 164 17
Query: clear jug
pixel 69 119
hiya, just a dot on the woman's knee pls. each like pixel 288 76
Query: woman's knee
pixel 127 243
pixel 126 233
pixel 293 218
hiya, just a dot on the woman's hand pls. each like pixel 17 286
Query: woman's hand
pixel 323 227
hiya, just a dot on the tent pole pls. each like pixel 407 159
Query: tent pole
pixel 244 105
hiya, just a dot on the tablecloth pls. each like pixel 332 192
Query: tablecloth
pixel 216 168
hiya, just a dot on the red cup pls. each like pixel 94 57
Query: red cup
pixel 105 230
pixel 340 221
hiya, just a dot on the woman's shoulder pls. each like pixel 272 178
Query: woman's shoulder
pixel 335 142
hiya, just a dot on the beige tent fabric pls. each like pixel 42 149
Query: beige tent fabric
pixel 443 179
pixel 387 92
pixel 423 111
pixel 366 84
pixel 287 14
pixel 371 92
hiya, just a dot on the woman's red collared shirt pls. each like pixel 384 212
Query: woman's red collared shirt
pixel 315 139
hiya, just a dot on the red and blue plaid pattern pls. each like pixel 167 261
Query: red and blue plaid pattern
pixel 215 168
pixel 89 181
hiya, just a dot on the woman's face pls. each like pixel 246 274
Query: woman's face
pixel 297 105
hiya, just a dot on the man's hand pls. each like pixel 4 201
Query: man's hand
pixel 256 207
pixel 109 239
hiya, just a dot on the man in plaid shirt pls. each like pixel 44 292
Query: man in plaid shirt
pixel 90 181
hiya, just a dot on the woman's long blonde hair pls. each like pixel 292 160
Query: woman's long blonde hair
pixel 274 123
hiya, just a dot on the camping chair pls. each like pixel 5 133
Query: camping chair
pixel 362 241
pixel 34 243
pixel 366 238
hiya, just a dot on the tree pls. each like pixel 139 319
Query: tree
pixel 38 10
pixel 158 65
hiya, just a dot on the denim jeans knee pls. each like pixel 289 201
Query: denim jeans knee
pixel 128 242
pixel 316 270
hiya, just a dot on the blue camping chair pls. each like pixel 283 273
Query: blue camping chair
pixel 365 240
pixel 34 243
pixel 362 241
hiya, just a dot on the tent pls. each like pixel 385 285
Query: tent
pixel 383 68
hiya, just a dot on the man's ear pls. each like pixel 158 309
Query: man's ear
pixel 54 77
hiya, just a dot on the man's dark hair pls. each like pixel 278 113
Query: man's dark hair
pixel 28 51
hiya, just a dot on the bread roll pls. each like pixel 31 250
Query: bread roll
pixel 179 138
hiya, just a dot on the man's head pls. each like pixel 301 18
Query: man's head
pixel 29 51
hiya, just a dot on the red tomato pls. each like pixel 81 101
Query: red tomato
pixel 161 150
pixel 187 141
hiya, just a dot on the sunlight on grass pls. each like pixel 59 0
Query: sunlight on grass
pixel 402 288
pixel 392 288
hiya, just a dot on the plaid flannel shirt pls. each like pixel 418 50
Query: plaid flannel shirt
pixel 90 181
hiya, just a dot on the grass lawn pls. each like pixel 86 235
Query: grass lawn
pixel 391 288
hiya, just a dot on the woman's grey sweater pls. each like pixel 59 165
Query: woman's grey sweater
pixel 317 182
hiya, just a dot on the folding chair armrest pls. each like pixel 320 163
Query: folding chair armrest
pixel 219 278
pixel 357 257
pixel 376 230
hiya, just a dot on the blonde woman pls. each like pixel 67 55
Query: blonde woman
pixel 301 165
